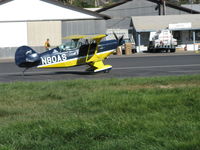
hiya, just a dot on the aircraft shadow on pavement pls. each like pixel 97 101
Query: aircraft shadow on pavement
pixel 53 73
pixel 75 72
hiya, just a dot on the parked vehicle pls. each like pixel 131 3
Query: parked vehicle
pixel 162 41
pixel 128 40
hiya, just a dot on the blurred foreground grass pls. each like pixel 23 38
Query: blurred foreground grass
pixel 160 113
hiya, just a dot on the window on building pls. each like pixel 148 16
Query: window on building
pixel 197 35
pixel 191 35
pixel 177 36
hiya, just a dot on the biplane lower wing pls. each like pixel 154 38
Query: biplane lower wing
pixel 99 66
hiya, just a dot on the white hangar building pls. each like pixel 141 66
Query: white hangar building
pixel 31 22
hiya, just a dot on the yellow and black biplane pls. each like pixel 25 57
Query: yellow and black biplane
pixel 79 50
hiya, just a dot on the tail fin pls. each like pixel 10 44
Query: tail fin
pixel 119 40
pixel 26 57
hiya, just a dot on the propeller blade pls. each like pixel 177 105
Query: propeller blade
pixel 121 40
pixel 115 36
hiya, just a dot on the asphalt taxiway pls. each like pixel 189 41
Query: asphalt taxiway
pixel 136 65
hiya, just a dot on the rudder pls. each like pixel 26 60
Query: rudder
pixel 26 57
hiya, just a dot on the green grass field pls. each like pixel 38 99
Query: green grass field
pixel 160 113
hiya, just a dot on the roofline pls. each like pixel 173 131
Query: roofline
pixel 43 20
pixel 61 4
pixel 192 29
pixel 4 1
pixel 163 17
pixel 154 1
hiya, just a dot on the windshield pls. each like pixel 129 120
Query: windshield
pixel 73 44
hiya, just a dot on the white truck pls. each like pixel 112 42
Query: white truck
pixel 162 41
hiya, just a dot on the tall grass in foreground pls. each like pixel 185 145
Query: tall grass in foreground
pixel 112 114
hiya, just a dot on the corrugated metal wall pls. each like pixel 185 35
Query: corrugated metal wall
pixel 83 27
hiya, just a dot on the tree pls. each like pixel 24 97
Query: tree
pixel 91 3
pixel 79 3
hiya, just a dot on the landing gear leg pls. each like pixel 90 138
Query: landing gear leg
pixel 24 71
pixel 107 70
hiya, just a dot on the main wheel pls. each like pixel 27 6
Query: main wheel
pixel 107 70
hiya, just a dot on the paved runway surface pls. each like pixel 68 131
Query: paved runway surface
pixel 146 65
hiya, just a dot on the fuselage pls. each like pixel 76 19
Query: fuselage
pixel 77 55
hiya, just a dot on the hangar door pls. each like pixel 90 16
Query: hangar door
pixel 13 34
pixel 39 31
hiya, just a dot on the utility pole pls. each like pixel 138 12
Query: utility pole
pixel 161 7
pixel 164 7
pixel 158 7
pixel 191 3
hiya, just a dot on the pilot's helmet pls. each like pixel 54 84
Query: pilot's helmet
pixel 62 46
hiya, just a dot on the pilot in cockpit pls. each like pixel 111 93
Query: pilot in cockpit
pixel 70 46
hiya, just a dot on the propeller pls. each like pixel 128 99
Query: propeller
pixel 119 40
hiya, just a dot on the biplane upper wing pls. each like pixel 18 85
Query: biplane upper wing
pixel 96 37
pixel 75 37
